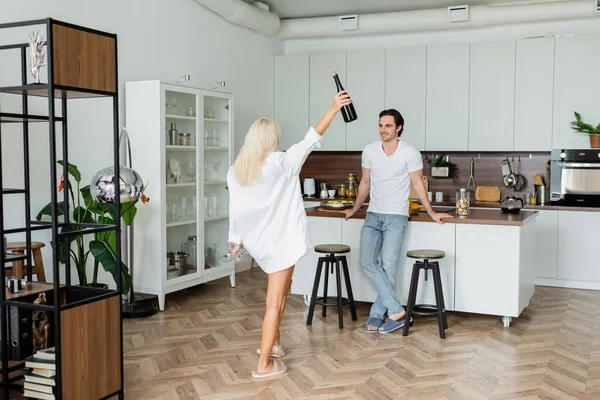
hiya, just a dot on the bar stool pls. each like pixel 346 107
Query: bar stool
pixel 439 308
pixel 330 260
pixel 19 268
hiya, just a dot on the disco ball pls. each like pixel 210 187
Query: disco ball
pixel 103 185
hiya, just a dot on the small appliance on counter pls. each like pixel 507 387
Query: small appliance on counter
pixel 324 194
pixel 310 187
pixel 575 177
pixel 511 204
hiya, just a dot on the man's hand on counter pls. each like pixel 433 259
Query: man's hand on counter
pixel 437 217
pixel 349 213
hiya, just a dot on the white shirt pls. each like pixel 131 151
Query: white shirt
pixel 268 217
pixel 390 176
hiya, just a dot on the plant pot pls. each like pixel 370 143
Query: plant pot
pixel 595 141
pixel 440 172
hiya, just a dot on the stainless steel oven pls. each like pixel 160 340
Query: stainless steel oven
pixel 575 177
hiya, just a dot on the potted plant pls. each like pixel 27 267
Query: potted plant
pixel 593 131
pixel 103 246
pixel 441 167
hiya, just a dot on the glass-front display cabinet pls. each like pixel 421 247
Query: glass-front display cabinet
pixel 182 146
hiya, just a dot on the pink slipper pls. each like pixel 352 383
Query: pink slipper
pixel 280 368
pixel 277 352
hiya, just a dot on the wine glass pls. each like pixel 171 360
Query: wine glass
pixel 216 165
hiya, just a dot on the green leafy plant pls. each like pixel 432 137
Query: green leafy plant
pixel 104 244
pixel 582 127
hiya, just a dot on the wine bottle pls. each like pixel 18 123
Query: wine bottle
pixel 348 111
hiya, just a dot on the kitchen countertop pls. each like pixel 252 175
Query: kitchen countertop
pixel 478 217
pixel 494 204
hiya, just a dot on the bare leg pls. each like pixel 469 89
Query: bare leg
pixel 278 284
pixel 287 291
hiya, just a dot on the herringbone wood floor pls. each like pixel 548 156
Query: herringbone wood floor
pixel 203 346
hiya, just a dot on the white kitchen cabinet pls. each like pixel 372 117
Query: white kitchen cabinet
pixel 291 97
pixel 534 87
pixel 576 88
pixel 447 106
pixel 546 243
pixel 494 268
pixel 405 89
pixel 578 238
pixel 428 235
pixel 492 95
pixel 322 91
pixel 366 86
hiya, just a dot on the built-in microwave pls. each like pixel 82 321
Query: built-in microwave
pixel 575 177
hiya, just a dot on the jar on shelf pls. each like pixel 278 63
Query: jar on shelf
pixel 351 177
pixel 341 190
pixel 192 248
pixel 462 202
pixel 185 139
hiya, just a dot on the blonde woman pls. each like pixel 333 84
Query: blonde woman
pixel 267 217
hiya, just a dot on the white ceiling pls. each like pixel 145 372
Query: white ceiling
pixel 314 8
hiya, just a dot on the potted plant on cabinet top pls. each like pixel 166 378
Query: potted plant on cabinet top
pixel 582 127
pixel 103 246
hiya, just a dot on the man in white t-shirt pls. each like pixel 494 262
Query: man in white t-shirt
pixel 389 166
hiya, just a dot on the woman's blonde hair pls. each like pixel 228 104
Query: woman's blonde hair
pixel 262 138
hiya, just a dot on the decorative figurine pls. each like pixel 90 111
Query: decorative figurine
pixel 40 326
pixel 36 52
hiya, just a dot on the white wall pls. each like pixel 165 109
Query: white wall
pixel 157 39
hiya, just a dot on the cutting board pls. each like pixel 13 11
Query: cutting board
pixel 413 192
pixel 487 193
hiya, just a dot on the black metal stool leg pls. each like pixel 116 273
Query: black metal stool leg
pixel 439 300
pixel 338 282
pixel 412 296
pixel 325 284
pixel 313 297
pixel 439 278
pixel 348 287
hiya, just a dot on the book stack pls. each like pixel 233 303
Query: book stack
pixel 40 381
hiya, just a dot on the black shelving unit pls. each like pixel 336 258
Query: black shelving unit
pixel 67 46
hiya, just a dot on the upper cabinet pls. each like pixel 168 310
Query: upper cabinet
pixel 502 96
pixel 366 86
pixel 405 88
pixel 291 97
pixel 322 91
pixel 447 94
pixel 534 94
pixel 576 88
pixel 492 96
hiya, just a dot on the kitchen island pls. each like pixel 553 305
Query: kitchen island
pixel 488 268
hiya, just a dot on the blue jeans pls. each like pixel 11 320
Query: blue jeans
pixel 385 233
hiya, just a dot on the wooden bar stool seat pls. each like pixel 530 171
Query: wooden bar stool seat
pixel 19 268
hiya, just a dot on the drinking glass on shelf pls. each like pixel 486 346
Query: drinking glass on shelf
pixel 208 208
pixel 215 138
pixel 216 165
pixel 215 206
pixel 207 140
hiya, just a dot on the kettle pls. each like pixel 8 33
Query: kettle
pixel 310 187
pixel 511 204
